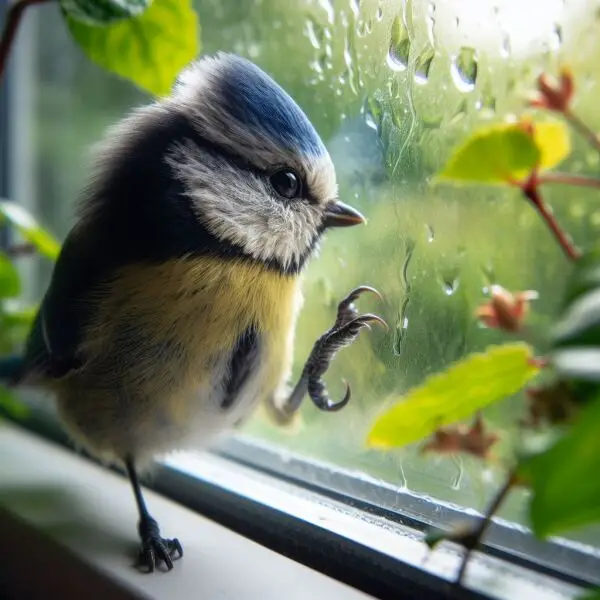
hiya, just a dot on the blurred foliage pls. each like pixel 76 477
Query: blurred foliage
pixel 150 49
pixel 507 152
pixel 103 12
pixel 445 398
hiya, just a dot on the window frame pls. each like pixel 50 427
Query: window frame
pixel 342 557
pixel 317 547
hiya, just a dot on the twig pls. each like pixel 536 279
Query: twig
pixel 479 532
pixel 11 25
pixel 583 129
pixel 530 189
pixel 568 179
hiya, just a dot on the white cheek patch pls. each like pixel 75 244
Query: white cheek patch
pixel 241 208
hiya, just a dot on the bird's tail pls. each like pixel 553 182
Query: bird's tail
pixel 10 368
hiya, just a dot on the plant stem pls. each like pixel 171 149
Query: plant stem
pixel 485 523
pixel 568 179
pixel 583 129
pixel 11 25
pixel 530 189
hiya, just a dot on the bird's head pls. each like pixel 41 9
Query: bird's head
pixel 258 174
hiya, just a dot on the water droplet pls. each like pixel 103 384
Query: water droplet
pixel 459 473
pixel 450 286
pixel 314 33
pixel 431 23
pixel 487 102
pixel 399 52
pixel 460 114
pixel 355 7
pixel 423 65
pixel 430 233
pixel 464 69
pixel 351 60
pixel 505 49
pixel 556 38
pixel 402 320
pixel 373 113
pixel 327 6
pixel 369 26
pixel 379 14
pixel 489 275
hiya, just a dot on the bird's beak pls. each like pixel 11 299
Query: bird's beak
pixel 338 214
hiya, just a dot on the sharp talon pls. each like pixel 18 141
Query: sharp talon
pixel 354 294
pixel 156 549
pixel 369 318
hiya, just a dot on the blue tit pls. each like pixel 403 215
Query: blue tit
pixel 172 306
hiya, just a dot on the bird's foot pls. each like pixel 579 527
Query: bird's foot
pixel 155 549
pixel 345 330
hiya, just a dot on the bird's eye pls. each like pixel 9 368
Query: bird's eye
pixel 286 183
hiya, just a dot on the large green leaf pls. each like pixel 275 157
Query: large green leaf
pixel 565 479
pixel 29 229
pixel 575 338
pixel 149 50
pixel 507 153
pixel 10 283
pixel 103 12
pixel 467 386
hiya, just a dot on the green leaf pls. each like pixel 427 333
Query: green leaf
pixel 29 229
pixel 592 595
pixel 495 154
pixel 564 479
pixel 11 405
pixel 444 398
pixel 149 50
pixel 10 283
pixel 575 338
pixel 507 153
pixel 103 12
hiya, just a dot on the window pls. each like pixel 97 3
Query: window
pixel 390 109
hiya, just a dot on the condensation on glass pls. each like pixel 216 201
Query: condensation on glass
pixel 391 86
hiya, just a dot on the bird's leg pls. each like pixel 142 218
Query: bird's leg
pixel 155 549
pixel 345 330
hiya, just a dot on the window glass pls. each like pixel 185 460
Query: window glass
pixel 390 108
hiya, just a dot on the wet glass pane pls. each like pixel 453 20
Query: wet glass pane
pixel 391 87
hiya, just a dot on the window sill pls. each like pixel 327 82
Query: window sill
pixel 67 525
pixel 86 517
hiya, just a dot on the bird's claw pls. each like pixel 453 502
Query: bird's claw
pixel 344 331
pixel 155 549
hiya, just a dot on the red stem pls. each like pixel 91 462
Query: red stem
pixel 530 189
pixel 583 129
pixel 568 179
pixel 11 25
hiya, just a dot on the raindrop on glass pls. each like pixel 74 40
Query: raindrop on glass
pixel 379 14
pixel 460 114
pixel 556 38
pixel 423 65
pixel 355 7
pixel 464 69
pixel 431 23
pixel 399 52
pixel 450 286
pixel 430 233
pixel 314 32
pixel 327 6
pixel 505 46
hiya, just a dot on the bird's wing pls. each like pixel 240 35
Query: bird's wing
pixel 52 345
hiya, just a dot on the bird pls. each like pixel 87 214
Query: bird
pixel 172 306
